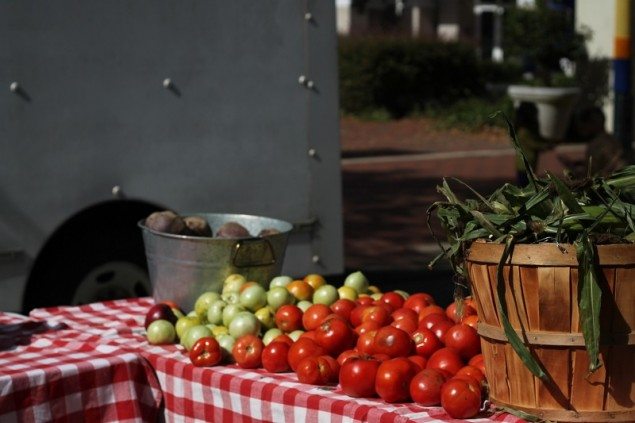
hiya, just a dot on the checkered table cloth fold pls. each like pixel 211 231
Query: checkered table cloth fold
pixel 45 375
pixel 228 393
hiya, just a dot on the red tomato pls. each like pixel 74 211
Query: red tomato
pixel 447 359
pixel 274 357
pixel 310 334
pixel 314 315
pixel 365 300
pixel 393 299
pixel 479 362
pixel 464 339
pixel 419 361
pixel 405 325
pixel 283 338
pixel 432 319
pixel 431 309
pixel 471 371
pixel 343 307
pixel 356 315
pixel 357 377
pixel 367 326
pixel 366 342
pixel 404 312
pixel 471 321
pixel 302 348
pixel 441 328
pixel 392 382
pixel 381 357
pixel 288 318
pixel 320 370
pixel 425 387
pixel 418 301
pixel 247 351
pixel 469 379
pixel 456 313
pixel 335 335
pixel 206 352
pixel 426 342
pixel 347 355
pixel 376 313
pixel 459 399
pixel 393 341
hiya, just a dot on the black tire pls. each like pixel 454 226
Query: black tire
pixel 85 246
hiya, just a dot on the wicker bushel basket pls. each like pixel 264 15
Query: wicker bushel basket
pixel 541 293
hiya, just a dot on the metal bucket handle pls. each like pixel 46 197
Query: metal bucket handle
pixel 253 252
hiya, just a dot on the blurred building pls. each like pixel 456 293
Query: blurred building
pixel 448 19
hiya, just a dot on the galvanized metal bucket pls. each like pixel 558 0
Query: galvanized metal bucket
pixel 182 267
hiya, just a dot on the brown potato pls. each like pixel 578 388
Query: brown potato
pixel 165 221
pixel 197 226
pixel 232 230
pixel 268 231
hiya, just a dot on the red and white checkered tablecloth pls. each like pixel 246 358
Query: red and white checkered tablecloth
pixel 228 393
pixel 47 375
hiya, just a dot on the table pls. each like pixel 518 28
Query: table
pixel 47 373
pixel 226 393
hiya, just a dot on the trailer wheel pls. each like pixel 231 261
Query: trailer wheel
pixel 96 255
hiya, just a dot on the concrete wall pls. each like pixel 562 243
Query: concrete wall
pixel 599 17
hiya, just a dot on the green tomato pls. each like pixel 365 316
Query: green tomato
pixel 204 301
pixel 357 281
pixel 253 297
pixel 326 294
pixel 161 332
pixel 279 296
pixel 280 281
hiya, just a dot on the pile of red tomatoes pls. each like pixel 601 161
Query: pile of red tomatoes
pixel 394 348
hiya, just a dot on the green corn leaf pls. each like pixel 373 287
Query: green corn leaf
pixel 447 191
pixel 480 217
pixel 479 196
pixel 513 338
pixel 531 176
pixel 589 299
pixel 565 195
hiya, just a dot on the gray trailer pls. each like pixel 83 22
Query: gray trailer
pixel 111 110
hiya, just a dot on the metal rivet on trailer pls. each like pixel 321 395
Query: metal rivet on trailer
pixel 14 87
pixel 117 192
pixel 312 152
pixel 302 80
pixel 308 16
pixel 310 84
pixel 167 83
pixel 315 259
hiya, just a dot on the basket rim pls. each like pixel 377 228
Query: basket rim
pixel 549 254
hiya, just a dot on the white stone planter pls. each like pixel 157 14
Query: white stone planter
pixel 554 105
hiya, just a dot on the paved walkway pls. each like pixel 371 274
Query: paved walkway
pixel 386 192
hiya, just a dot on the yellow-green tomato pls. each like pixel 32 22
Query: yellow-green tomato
pixel 266 316
pixel 161 332
pixel 326 294
pixel 185 323
pixel 204 301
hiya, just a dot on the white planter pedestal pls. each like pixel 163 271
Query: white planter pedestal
pixel 554 106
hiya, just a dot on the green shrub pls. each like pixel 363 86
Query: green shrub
pixel 403 75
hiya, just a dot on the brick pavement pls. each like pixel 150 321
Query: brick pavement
pixel 385 198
